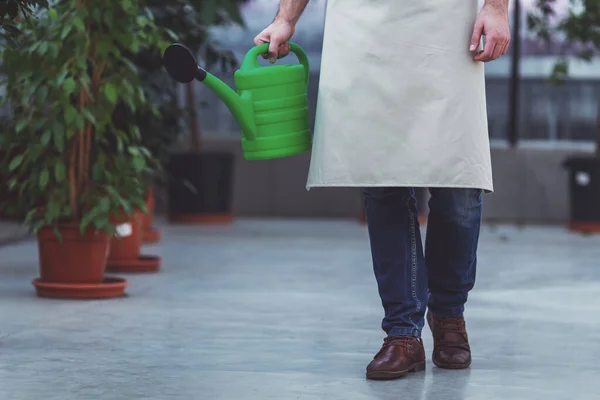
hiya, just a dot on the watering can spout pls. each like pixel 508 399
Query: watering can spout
pixel 181 64
pixel 240 106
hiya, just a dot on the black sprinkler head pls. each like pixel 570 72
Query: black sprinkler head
pixel 181 64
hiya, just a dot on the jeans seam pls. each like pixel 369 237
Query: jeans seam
pixel 414 258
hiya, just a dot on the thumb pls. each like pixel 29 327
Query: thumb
pixel 476 37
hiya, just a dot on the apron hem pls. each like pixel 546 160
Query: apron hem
pixel 418 185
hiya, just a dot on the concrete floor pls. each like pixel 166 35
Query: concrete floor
pixel 289 310
pixel 11 232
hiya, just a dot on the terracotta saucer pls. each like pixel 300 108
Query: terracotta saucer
pixel 110 287
pixel 151 236
pixel 141 264
pixel 585 227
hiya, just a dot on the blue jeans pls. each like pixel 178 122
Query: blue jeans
pixel 410 280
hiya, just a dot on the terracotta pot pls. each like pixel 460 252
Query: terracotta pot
pixel 148 218
pixel 127 242
pixel 79 259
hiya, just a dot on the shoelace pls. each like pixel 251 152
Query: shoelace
pixel 397 341
pixel 452 333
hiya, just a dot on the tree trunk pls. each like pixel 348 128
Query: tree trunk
pixel 195 142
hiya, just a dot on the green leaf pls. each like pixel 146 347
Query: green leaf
pixel 52 14
pixel 65 31
pixel 70 114
pixel 172 35
pixel 30 215
pixel 139 163
pixel 88 217
pixel 43 48
pixel 14 164
pixel 42 94
pixel 89 116
pixel 34 47
pixel 61 77
pixel 60 171
pixel 110 91
pixel 12 183
pixel 104 204
pixel 57 233
pixel 97 171
pixel 78 23
pixel 54 49
pixel 69 86
pixel 79 122
pixel 58 134
pixel 59 140
pixel 142 21
pixel 104 47
pixel 21 125
pixel 46 138
pixel 53 211
pixel 44 177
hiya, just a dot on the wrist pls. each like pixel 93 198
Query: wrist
pixel 500 6
pixel 283 19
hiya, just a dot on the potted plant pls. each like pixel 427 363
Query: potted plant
pixel 579 29
pixel 200 181
pixel 124 255
pixel 76 171
pixel 160 127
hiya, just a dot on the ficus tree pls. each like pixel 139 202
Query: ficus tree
pixel 68 161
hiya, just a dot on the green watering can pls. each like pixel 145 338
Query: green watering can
pixel 271 103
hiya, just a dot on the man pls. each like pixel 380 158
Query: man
pixel 401 105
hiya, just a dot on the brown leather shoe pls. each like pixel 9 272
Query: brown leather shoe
pixel 398 356
pixel 451 348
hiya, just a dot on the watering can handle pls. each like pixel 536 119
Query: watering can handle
pixel 251 59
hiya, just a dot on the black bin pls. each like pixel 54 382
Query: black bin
pixel 584 185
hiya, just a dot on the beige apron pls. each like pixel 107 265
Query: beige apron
pixel 401 101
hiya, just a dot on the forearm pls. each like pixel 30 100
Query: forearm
pixel 291 10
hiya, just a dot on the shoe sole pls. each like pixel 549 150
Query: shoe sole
pixel 387 375
pixel 452 366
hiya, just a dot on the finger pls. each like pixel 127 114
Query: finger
pixel 501 50
pixel 506 47
pixel 476 36
pixel 487 53
pixel 284 50
pixel 497 51
pixel 274 45
pixel 261 39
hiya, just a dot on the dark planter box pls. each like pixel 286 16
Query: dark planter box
pixel 200 187
pixel 584 186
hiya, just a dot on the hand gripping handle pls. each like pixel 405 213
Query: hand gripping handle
pixel 251 59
